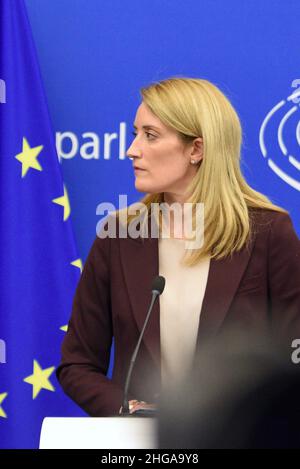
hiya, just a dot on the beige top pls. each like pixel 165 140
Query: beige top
pixel 180 308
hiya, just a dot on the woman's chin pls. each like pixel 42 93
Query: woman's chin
pixel 141 187
pixel 146 187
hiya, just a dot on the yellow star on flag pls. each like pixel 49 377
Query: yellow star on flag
pixel 2 397
pixel 40 379
pixel 28 157
pixel 77 263
pixel 64 202
pixel 64 328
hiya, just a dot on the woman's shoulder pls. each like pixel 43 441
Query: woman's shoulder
pixel 276 224
pixel 263 216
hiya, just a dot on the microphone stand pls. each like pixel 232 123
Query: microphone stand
pixel 157 289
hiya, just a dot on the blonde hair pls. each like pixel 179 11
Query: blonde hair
pixel 197 108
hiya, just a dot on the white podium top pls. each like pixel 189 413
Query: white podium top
pixel 99 433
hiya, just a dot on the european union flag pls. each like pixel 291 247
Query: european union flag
pixel 39 264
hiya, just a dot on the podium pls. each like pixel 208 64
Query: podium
pixel 99 433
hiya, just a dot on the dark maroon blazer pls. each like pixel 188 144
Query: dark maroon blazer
pixel 256 289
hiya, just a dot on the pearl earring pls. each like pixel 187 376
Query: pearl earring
pixel 193 161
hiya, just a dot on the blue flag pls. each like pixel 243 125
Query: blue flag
pixel 39 264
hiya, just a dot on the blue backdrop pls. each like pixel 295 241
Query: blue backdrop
pixel 95 55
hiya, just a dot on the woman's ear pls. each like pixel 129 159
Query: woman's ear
pixel 197 150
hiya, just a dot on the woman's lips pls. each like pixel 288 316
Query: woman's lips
pixel 139 170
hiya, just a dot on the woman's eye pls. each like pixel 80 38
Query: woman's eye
pixel 150 136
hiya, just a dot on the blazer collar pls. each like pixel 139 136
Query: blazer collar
pixel 140 262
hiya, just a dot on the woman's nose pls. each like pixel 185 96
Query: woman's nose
pixel 133 151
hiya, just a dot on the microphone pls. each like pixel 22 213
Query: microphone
pixel 158 286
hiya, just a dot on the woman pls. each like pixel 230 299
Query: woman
pixel 246 274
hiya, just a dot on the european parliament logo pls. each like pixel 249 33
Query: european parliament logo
pixel 282 125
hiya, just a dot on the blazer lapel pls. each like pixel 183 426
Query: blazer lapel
pixel 223 280
pixel 140 263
